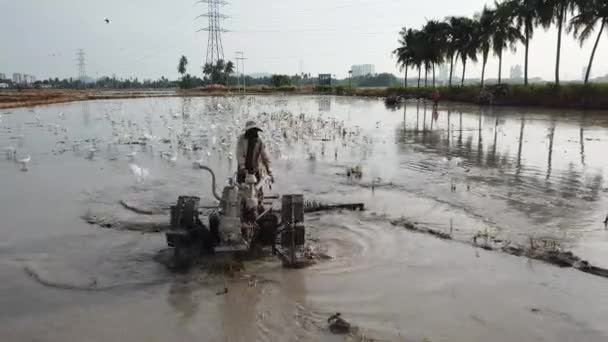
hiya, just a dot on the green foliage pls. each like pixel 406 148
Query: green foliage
pixel 186 81
pixel 218 73
pixel 380 80
pixel 323 89
pixel 118 83
pixel 181 66
pixel 278 81
pixel 590 96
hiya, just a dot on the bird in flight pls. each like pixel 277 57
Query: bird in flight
pixel 107 21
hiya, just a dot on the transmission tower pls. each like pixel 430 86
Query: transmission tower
pixel 215 49
pixel 82 72
pixel 240 59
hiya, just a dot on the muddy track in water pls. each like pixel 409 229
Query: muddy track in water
pixel 546 251
pixel 93 286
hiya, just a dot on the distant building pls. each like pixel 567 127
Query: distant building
pixel 17 78
pixel 325 79
pixel 2 76
pixel 3 85
pixel 363 70
pixel 515 72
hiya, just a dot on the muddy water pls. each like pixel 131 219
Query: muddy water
pixel 514 174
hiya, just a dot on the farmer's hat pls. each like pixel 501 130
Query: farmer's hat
pixel 252 125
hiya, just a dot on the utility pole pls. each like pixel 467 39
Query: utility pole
pixel 240 56
pixel 301 74
pixel 238 78
pixel 82 73
pixel 215 49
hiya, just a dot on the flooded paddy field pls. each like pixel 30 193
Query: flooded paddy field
pixel 80 217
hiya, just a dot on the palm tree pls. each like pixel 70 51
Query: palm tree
pixel 208 70
pixel 435 42
pixel 416 50
pixel 505 35
pixel 466 39
pixel 181 67
pixel 486 28
pixel 590 12
pixel 451 52
pixel 228 70
pixel 404 52
pixel 526 13
pixel 555 11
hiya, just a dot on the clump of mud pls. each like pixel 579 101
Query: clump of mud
pixel 144 225
pixel 543 250
pixel 425 230
pixel 339 326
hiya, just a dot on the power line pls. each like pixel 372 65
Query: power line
pixel 82 73
pixel 240 57
pixel 215 49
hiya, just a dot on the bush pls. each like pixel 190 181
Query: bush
pixel 279 81
pixel 324 89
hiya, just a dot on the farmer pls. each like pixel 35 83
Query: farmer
pixel 435 97
pixel 251 154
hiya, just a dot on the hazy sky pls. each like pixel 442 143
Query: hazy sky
pixel 146 37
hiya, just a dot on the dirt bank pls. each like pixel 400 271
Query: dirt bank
pixel 36 97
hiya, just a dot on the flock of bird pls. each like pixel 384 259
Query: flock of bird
pixel 11 154
pixel 197 131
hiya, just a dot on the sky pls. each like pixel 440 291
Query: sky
pixel 146 37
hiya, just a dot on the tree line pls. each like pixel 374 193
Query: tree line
pixel 503 26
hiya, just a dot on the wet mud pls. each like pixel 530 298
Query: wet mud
pixel 93 285
pixel 145 224
pixel 544 250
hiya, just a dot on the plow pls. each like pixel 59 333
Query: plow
pixel 245 221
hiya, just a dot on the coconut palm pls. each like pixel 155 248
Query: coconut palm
pixel 228 70
pixel 417 51
pixel 505 35
pixel 404 52
pixel 435 41
pixel 555 12
pixel 451 48
pixel 181 67
pixel 590 13
pixel 208 69
pixel 467 41
pixel 526 14
pixel 486 20
pixel 464 39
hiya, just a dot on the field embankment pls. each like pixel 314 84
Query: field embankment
pixel 579 96
pixel 573 96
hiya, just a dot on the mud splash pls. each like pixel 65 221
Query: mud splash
pixel 148 224
pixel 542 250
pixel 93 285
pixel 143 210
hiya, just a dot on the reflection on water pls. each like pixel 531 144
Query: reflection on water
pixel 531 163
